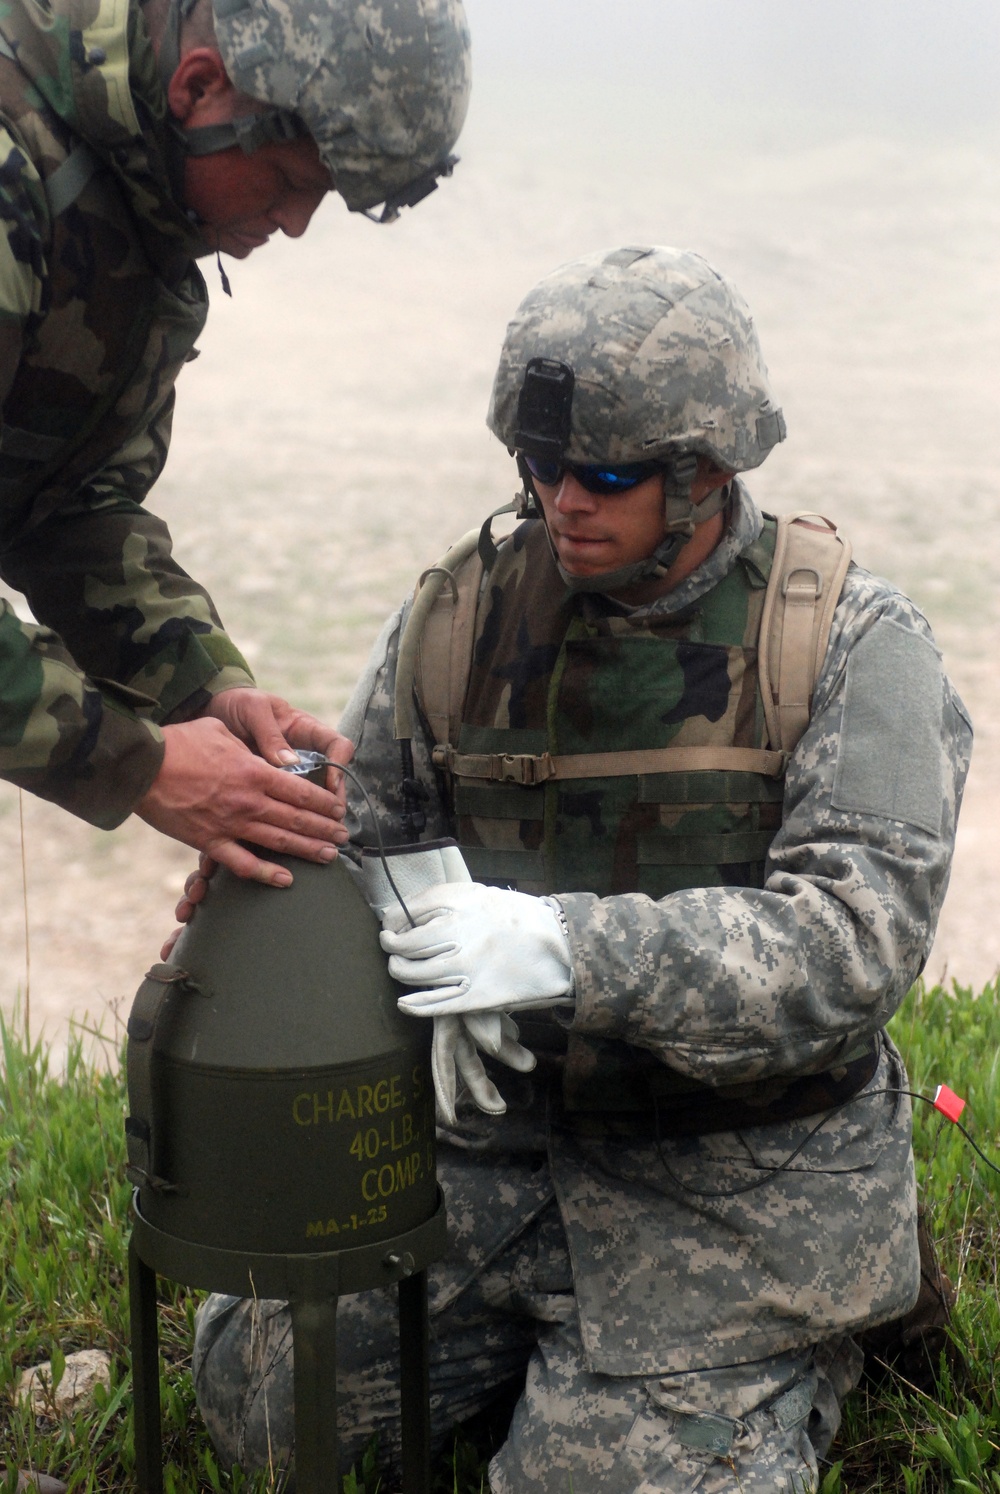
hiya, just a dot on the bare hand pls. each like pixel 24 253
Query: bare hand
pixel 274 728
pixel 212 791
pixel 195 887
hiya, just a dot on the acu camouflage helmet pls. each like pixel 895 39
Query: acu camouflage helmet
pixel 664 358
pixel 382 86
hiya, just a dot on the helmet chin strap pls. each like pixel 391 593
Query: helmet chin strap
pixel 249 131
pixel 680 519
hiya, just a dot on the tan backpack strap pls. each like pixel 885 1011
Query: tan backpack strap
pixel 807 574
pixel 524 768
pixel 436 596
pixel 451 616
pixel 444 650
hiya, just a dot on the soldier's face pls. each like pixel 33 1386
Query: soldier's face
pixel 598 532
pixel 242 200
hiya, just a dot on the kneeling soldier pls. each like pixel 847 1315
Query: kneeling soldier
pixel 706 777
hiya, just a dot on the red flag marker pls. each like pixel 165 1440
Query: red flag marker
pixel 948 1102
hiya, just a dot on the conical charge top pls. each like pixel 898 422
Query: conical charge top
pixel 279 1101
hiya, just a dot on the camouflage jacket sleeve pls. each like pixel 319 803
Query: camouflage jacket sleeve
pixel 734 984
pixel 65 737
pixel 126 638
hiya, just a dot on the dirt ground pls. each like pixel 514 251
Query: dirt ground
pixel 329 444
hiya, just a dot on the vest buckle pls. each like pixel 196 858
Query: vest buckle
pixel 522 768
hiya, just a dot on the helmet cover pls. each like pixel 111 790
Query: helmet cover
pixel 664 358
pixel 382 86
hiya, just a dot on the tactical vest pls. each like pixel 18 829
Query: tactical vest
pixel 598 752
pixel 556 676
pixel 123 300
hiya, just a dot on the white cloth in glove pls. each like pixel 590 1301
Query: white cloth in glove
pixel 457 1040
pixel 478 949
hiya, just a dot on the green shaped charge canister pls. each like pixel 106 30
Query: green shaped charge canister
pixel 279 1101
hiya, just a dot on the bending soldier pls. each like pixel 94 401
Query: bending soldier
pixel 701 896
pixel 134 138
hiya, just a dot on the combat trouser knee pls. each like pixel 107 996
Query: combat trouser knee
pixel 747 1429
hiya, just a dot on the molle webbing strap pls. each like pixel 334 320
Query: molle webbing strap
pixel 528 769
pixel 810 563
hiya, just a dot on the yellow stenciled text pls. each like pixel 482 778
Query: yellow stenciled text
pixel 350 1103
pixel 392 1177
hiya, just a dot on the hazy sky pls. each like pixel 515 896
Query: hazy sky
pixel 924 64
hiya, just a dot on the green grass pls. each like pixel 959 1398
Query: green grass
pixel 62 1280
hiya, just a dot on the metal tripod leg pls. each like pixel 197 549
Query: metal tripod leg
pixel 145 1373
pixel 314 1345
pixel 415 1383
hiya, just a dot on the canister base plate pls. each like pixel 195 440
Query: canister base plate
pixel 328 1273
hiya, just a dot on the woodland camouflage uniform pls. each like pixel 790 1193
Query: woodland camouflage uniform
pixel 674 1330
pixel 100 306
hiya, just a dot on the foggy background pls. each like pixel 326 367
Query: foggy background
pixel 840 161
pixel 892 65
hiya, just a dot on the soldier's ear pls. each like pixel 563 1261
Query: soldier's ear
pixel 200 91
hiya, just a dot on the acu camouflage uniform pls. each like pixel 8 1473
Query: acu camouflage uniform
pixel 683 1307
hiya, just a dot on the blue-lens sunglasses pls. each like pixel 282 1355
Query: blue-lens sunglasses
pixel 594 478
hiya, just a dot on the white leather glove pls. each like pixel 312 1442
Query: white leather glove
pixel 414 868
pixel 454 1056
pixel 454 1051
pixel 477 949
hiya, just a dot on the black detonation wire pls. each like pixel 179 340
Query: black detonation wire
pixel 770 1173
pixel 979 1153
pixel 341 768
